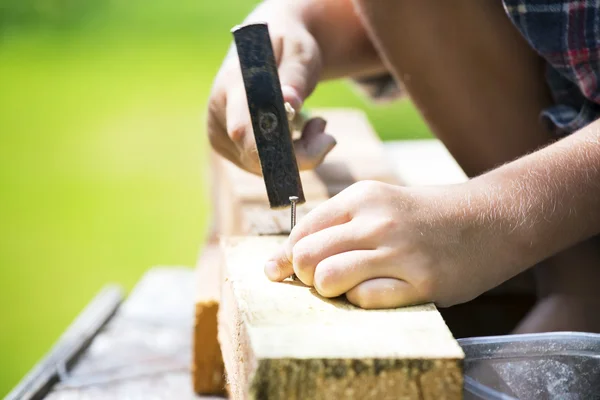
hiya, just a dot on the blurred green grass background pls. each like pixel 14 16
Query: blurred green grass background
pixel 103 148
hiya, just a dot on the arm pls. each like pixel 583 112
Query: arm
pixel 344 46
pixel 546 201
pixel 387 246
pixel 312 40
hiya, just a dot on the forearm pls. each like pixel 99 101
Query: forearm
pixel 344 46
pixel 546 201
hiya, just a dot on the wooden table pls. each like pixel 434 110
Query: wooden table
pixel 141 349
pixel 142 352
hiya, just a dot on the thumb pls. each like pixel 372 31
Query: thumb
pixel 279 267
pixel 299 68
pixel 380 293
pixel 299 72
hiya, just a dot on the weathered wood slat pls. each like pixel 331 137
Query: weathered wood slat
pixel 144 352
pixel 37 383
pixel 284 341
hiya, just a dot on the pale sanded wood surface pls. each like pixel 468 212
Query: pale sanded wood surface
pixel 423 162
pixel 283 341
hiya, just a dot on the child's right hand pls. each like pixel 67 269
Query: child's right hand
pixel 299 63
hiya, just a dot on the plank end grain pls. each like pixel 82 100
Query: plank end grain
pixel 284 341
pixel 207 367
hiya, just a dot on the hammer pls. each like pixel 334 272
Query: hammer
pixel 269 117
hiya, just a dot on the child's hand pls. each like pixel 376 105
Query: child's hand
pixel 299 64
pixel 386 246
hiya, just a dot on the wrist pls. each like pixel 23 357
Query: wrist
pixel 506 212
pixel 487 221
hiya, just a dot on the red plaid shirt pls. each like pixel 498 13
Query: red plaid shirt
pixel 566 33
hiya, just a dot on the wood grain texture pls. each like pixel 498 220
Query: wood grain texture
pixel 70 346
pixel 144 351
pixel 208 373
pixel 284 341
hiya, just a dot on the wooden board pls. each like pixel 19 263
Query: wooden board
pixel 144 352
pixel 424 162
pixel 71 345
pixel 207 367
pixel 283 341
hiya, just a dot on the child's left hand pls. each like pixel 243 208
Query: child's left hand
pixel 387 246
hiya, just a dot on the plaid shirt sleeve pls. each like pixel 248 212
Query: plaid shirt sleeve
pixel 566 33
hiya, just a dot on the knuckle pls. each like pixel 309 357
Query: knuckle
pixel 304 51
pixel 427 287
pixel 365 297
pixel 326 280
pixel 237 133
pixel 382 227
pixel 250 159
pixel 302 257
pixel 367 187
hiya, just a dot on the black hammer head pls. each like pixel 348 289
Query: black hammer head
pixel 268 114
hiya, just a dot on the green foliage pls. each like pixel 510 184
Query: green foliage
pixel 48 13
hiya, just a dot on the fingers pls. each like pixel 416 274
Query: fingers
pixel 291 95
pixel 299 68
pixel 341 272
pixel 326 215
pixel 383 293
pixel 279 266
pixel 239 128
pixel 299 71
pixel 313 249
pixel 314 144
pixel 217 135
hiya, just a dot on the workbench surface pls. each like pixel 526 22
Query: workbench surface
pixel 144 352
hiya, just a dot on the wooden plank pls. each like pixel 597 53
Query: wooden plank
pixel 208 373
pixel 284 341
pixel 424 162
pixel 37 383
pixel 144 352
